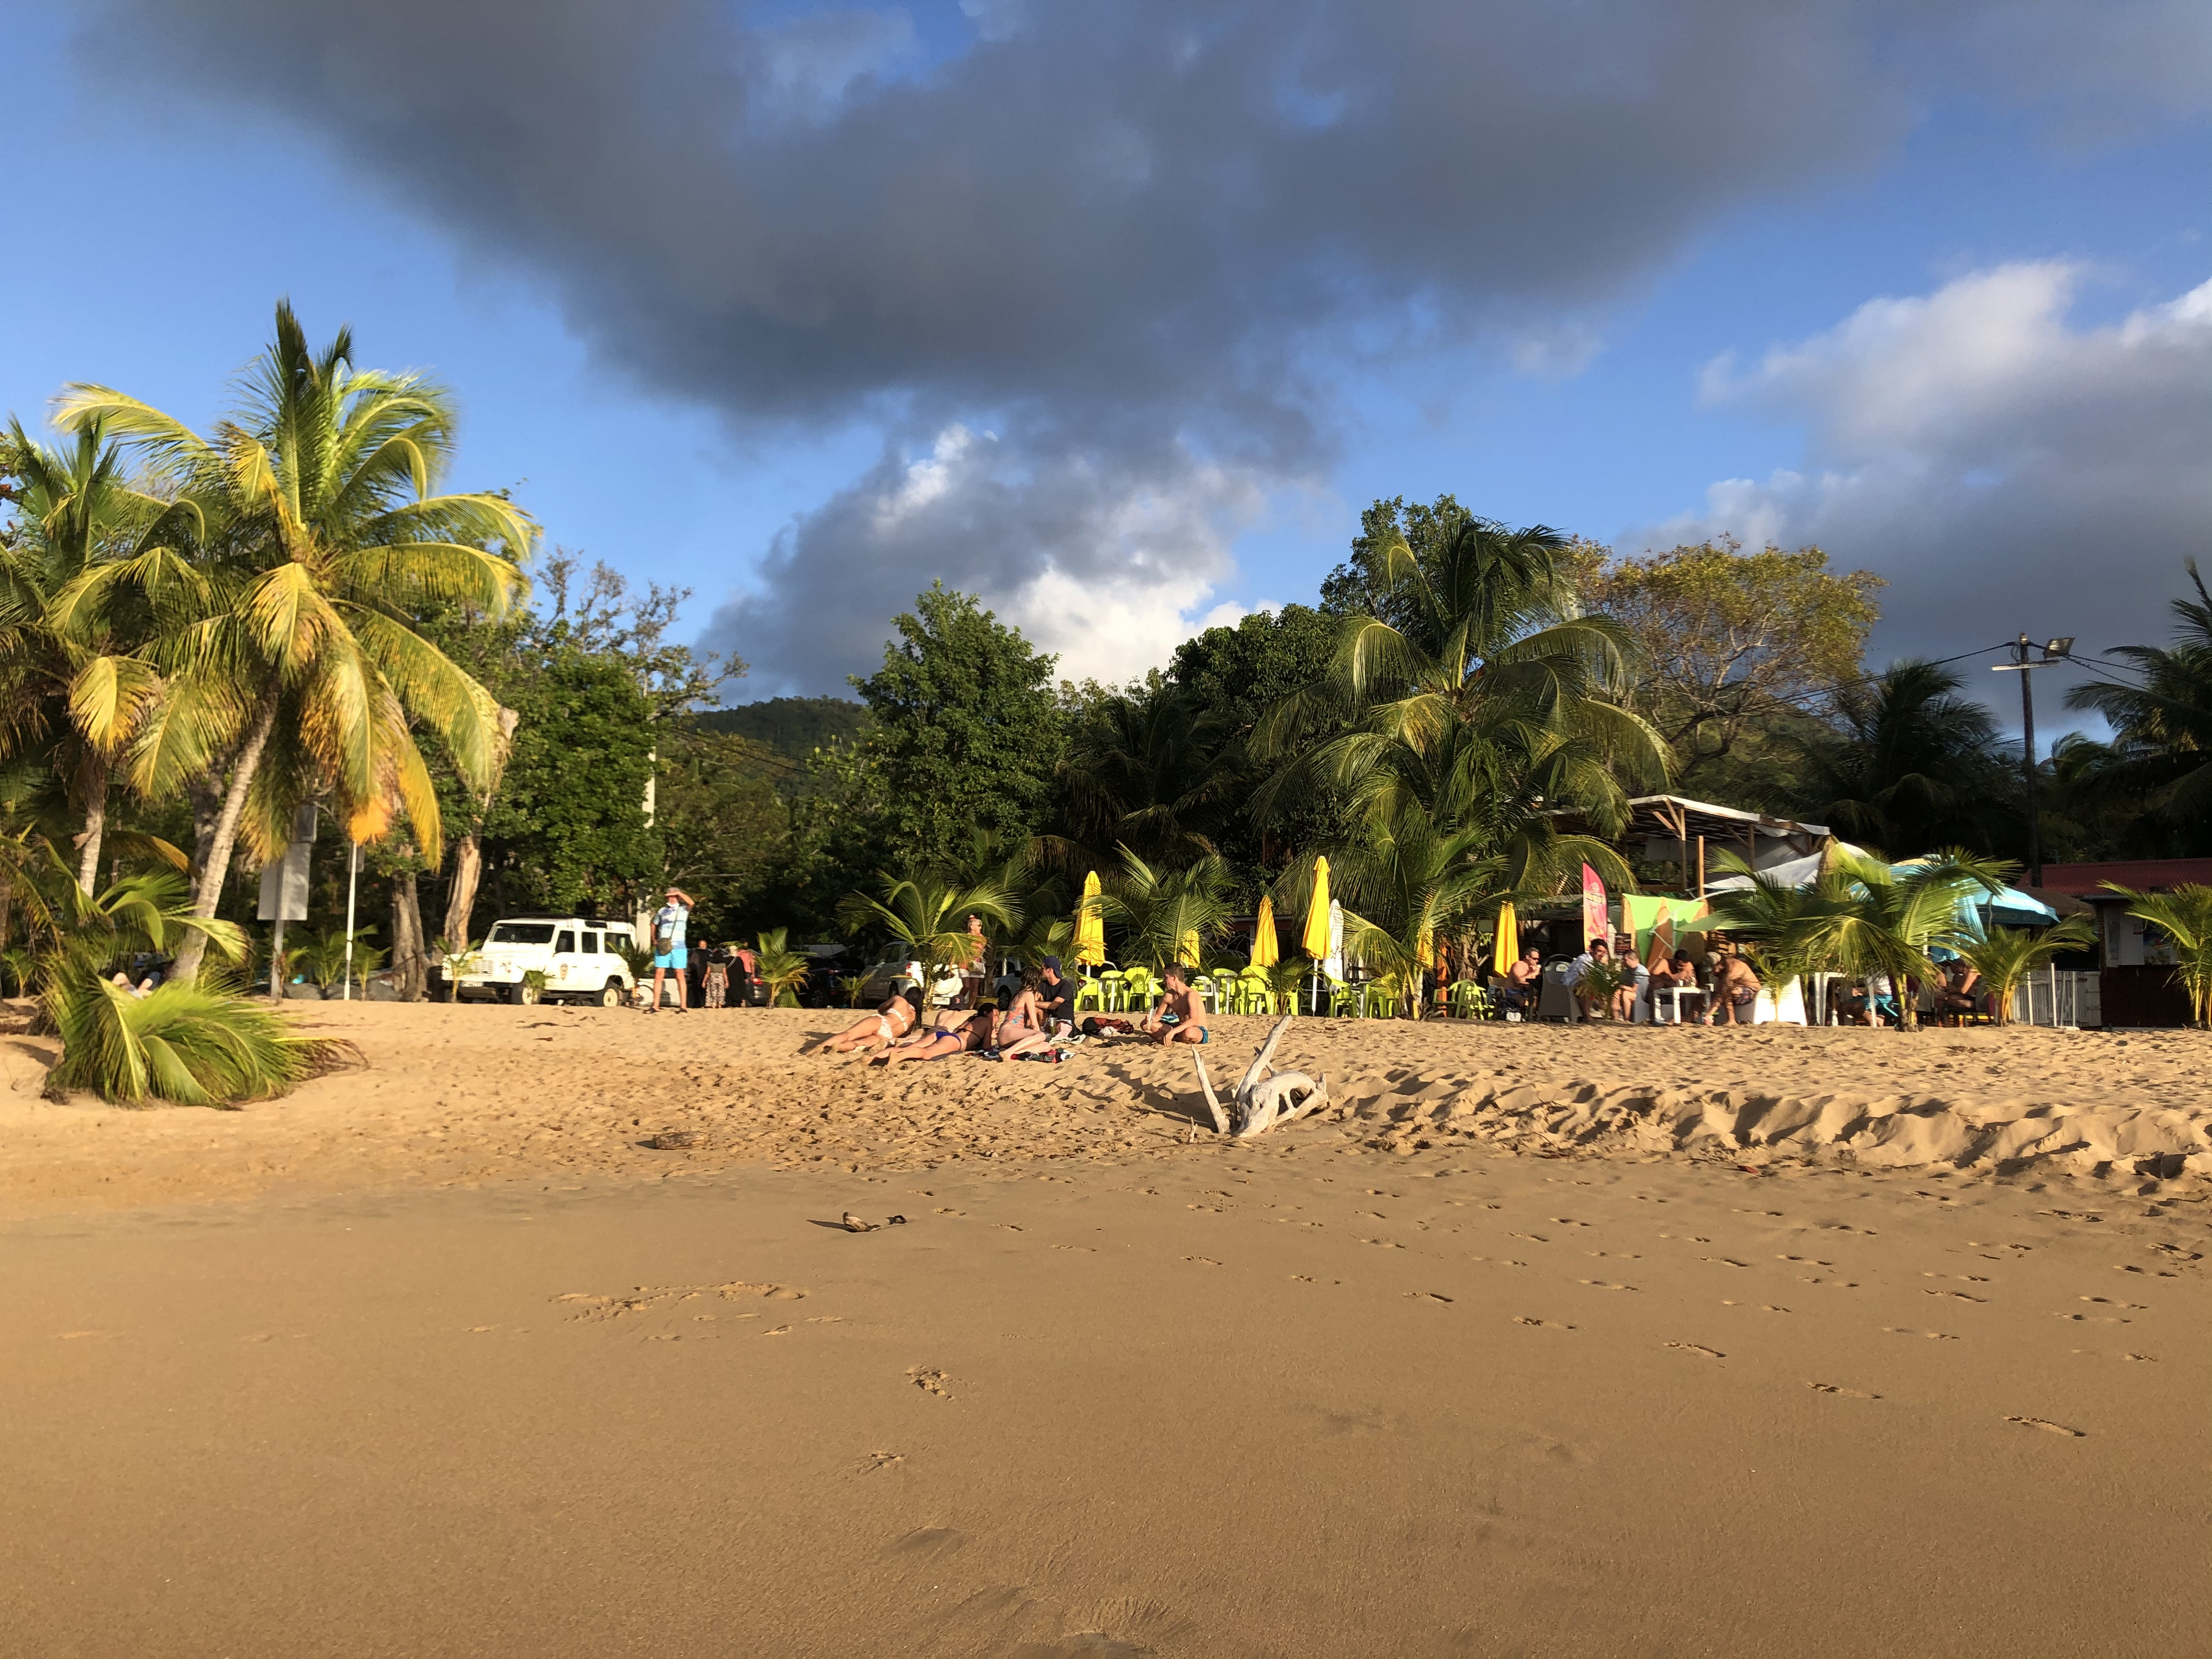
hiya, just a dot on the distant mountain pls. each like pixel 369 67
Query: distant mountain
pixel 795 727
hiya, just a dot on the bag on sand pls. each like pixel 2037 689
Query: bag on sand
pixel 1095 1026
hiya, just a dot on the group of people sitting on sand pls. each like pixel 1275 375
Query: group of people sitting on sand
pixel 1037 1020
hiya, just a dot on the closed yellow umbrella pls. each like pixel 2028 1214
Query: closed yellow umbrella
pixel 1186 948
pixel 1091 924
pixel 1507 949
pixel 1316 939
pixel 1265 953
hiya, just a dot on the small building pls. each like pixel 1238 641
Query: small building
pixel 2136 962
pixel 1677 830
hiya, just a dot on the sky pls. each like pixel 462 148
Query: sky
pixel 1117 314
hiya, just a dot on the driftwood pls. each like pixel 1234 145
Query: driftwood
pixel 1264 1098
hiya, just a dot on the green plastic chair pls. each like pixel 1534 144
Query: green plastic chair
pixel 1342 1003
pixel 1469 1001
pixel 1113 990
pixel 1090 995
pixel 1378 998
pixel 1253 996
pixel 1138 982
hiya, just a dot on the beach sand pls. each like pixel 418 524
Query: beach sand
pixel 1544 1341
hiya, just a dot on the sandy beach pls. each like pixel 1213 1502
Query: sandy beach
pixel 1543 1341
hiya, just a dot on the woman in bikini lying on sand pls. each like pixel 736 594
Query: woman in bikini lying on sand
pixel 890 1022
pixel 956 1032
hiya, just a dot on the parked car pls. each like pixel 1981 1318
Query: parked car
pixel 577 955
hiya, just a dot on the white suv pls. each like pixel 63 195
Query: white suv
pixel 578 958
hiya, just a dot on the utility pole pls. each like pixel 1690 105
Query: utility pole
pixel 2053 653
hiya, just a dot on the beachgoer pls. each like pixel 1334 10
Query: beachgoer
pixel 1178 1018
pixel 1523 988
pixel 1022 1027
pixel 670 955
pixel 1680 974
pixel 1058 995
pixel 958 1031
pixel 893 1019
pixel 1624 1000
pixel 1958 995
pixel 715 983
pixel 1600 955
pixel 1735 988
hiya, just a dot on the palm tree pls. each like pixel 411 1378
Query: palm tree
pixel 2163 727
pixel 1862 915
pixel 929 915
pixel 1159 909
pixel 2005 956
pixel 781 970
pixel 2185 916
pixel 1486 698
pixel 70 679
pixel 298 667
pixel 1141 770
pixel 1914 765
pixel 1408 885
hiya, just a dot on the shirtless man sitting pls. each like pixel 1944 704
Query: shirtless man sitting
pixel 1179 1018
pixel 1735 988
pixel 1524 981
pixel 890 1022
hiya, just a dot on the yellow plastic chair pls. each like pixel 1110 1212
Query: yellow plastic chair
pixel 1139 982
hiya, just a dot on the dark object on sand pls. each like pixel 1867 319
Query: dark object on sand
pixel 674 1140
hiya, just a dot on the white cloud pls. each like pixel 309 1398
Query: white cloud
pixel 2003 466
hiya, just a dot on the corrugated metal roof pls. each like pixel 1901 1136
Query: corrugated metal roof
pixel 2154 875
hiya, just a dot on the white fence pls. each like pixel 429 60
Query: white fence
pixel 2052 998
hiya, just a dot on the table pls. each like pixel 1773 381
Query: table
pixel 1678 992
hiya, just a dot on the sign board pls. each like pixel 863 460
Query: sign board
pixel 285 881
pixel 1594 917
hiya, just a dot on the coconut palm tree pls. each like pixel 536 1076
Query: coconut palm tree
pixel 2162 727
pixel 929 915
pixel 1407 884
pixel 297 667
pixel 1141 770
pixel 2185 916
pixel 1862 914
pixel 1914 765
pixel 2005 956
pixel 72 681
pixel 1158 910
pixel 1486 697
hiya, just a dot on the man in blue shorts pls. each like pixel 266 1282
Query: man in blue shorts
pixel 670 955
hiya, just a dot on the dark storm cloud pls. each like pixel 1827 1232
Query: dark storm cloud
pixel 1143 235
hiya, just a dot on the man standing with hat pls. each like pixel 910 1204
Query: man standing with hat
pixel 670 955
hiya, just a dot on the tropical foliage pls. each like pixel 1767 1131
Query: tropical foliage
pixel 2185 916
pixel 2006 957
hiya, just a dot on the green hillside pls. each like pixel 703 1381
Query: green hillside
pixel 795 727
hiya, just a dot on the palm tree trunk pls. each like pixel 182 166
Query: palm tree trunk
pixel 461 896
pixel 222 837
pixel 410 966
pixel 95 824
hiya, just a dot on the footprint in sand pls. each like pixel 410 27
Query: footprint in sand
pixel 1724 1262
pixel 1541 1324
pixel 1431 1296
pixel 930 1380
pixel 2108 1302
pixel 1697 1348
pixel 2049 1427
pixel 1933 1336
pixel 1203 1260
pixel 880 1460
pixel 1837 1389
pixel 1959 1295
pixel 1534 1238
pixel 1605 1285
pixel 1805 1261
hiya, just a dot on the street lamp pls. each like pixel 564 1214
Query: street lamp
pixel 2053 653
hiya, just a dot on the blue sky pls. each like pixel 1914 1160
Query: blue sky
pixel 1584 402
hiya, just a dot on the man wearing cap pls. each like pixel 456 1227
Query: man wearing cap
pixel 1058 995
pixel 670 955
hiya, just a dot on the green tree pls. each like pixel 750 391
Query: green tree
pixel 2005 956
pixel 2161 752
pixel 72 680
pixel 1156 909
pixel 1914 765
pixel 2185 916
pixel 968 734
pixel 1727 640
pixel 1489 701
pixel 297 667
